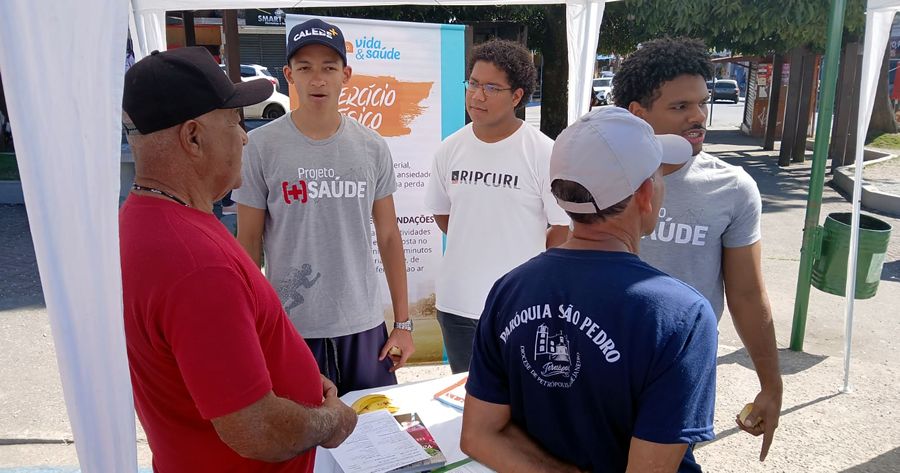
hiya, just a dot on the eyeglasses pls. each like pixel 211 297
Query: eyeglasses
pixel 490 90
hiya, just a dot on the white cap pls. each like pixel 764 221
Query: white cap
pixel 611 153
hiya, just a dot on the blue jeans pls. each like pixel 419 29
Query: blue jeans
pixel 459 334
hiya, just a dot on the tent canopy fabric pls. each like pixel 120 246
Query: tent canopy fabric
pixel 67 132
pixel 875 5
pixel 879 17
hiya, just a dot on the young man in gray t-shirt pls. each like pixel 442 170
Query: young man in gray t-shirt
pixel 708 229
pixel 313 180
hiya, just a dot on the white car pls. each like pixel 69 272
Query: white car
pixel 255 71
pixel 273 107
pixel 603 90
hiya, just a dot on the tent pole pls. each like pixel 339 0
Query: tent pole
pixel 811 231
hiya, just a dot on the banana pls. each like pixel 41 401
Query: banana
pixel 364 401
pixel 372 403
pixel 379 405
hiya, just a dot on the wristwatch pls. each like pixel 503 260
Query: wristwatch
pixel 404 325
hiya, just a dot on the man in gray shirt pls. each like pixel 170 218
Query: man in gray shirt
pixel 708 230
pixel 313 180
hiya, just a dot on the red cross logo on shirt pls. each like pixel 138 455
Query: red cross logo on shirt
pixel 295 193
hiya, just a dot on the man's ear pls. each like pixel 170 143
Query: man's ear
pixel 190 138
pixel 348 72
pixel 288 73
pixel 518 94
pixel 637 109
pixel 643 196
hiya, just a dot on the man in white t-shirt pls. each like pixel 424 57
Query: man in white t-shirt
pixel 708 233
pixel 490 193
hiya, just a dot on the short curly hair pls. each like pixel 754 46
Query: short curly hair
pixel 511 58
pixel 657 62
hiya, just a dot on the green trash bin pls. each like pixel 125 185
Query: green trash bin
pixel 830 267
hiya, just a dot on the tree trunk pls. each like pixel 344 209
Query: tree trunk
pixel 789 134
pixel 554 94
pixel 774 102
pixel 846 106
pixel 882 112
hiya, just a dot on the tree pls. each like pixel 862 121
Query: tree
pixel 758 27
pixel 555 95
pixel 883 120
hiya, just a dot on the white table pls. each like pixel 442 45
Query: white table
pixel 444 422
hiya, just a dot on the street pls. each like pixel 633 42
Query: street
pixel 725 116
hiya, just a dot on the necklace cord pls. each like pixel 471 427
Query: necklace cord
pixel 156 191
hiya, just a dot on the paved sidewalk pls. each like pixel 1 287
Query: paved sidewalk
pixel 821 429
pixel 884 176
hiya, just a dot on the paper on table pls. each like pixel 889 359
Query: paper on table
pixel 377 445
pixel 471 467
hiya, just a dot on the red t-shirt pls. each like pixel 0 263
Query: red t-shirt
pixel 206 334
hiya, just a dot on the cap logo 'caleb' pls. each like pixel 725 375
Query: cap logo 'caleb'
pixel 315 32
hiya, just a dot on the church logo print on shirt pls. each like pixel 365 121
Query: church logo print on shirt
pixel 555 348
pixel 321 183
pixel 671 230
pixel 482 178
pixel 289 289
pixel 550 359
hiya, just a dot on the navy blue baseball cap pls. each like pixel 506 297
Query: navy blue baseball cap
pixel 316 31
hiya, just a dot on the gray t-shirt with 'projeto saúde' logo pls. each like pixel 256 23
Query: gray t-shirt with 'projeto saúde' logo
pixel 709 205
pixel 318 197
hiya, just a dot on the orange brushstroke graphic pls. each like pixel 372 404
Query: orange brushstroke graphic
pixel 382 103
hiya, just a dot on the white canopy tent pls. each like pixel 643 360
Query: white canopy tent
pixel 63 77
pixel 879 17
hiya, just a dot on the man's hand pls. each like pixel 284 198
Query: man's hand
pixel 328 388
pixel 401 339
pixel 763 419
pixel 344 416
pixel 749 306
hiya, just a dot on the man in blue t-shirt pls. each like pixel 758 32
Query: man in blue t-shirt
pixel 587 358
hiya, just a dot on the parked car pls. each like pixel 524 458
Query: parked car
pixel 725 89
pixel 273 107
pixel 255 71
pixel 603 90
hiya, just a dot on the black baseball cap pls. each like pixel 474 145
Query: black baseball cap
pixel 172 87
pixel 316 31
